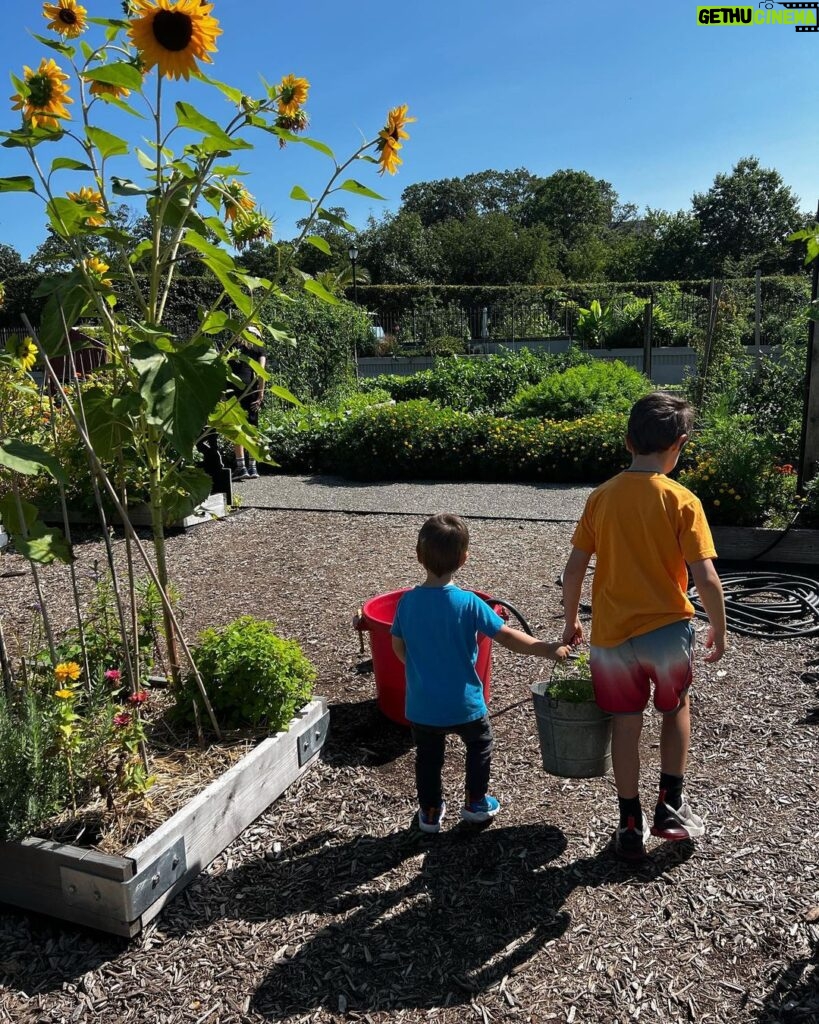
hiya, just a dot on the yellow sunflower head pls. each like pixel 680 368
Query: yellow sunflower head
pixel 64 694
pixel 389 139
pixel 173 35
pixel 66 17
pixel 90 197
pixel 23 350
pixel 107 89
pixel 97 269
pixel 236 199
pixel 292 123
pixel 252 226
pixel 46 97
pixel 292 94
pixel 67 671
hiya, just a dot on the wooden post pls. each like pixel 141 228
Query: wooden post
pixel 758 316
pixel 809 448
pixel 647 331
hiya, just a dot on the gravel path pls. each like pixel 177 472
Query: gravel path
pixel 547 502
pixel 333 907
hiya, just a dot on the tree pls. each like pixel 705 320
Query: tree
pixel 573 205
pixel 398 250
pixel 745 219
pixel 507 192
pixel 493 249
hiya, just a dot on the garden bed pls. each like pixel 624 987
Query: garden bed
pixel 319 910
pixel 748 544
pixel 120 894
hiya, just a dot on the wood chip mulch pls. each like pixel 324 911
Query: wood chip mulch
pixel 334 907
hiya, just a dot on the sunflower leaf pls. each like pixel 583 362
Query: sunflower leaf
pixel 65 163
pixel 18 183
pixel 121 74
pixel 216 138
pixel 212 252
pixel 319 243
pixel 145 161
pixel 351 185
pixel 218 228
pixel 63 48
pixel 28 459
pixel 110 22
pixel 298 192
pixel 126 187
pixel 320 292
pixel 117 101
pixel 333 218
pixel 234 95
pixel 106 143
pixel 44 545
pixel 312 143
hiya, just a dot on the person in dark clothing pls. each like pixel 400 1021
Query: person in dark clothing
pixel 250 395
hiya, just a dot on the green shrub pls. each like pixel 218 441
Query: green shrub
pixel 736 474
pixel 251 675
pixel 581 391
pixel 472 385
pixel 420 440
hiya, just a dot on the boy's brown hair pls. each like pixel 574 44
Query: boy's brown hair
pixel 657 421
pixel 442 542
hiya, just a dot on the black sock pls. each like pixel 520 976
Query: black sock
pixel 630 808
pixel 671 787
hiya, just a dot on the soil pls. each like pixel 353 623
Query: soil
pixel 333 906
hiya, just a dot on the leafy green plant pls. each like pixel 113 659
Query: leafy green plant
pixel 571 680
pixel 581 391
pixel 596 322
pixel 252 676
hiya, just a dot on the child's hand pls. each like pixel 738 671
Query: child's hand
pixel 715 644
pixel 573 633
pixel 559 652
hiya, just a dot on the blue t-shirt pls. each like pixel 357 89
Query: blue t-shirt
pixel 439 627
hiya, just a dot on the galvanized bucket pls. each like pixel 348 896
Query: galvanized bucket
pixel 575 738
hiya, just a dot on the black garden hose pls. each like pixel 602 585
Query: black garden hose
pixel 491 601
pixel 750 610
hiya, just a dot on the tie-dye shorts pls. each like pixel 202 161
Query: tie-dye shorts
pixel 622 675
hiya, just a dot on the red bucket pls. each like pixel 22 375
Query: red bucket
pixel 377 617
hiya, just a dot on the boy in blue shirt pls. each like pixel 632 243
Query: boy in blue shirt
pixel 434 635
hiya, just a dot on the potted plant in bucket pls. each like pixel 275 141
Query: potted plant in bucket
pixel 574 734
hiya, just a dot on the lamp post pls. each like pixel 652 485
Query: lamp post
pixel 352 252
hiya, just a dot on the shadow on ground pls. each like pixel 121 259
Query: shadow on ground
pixel 474 905
pixel 360 735
pixel 795 996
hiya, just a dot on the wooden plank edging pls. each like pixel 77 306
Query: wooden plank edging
pixel 747 543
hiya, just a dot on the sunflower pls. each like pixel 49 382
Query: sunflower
pixel 96 270
pixel 66 17
pixel 67 670
pixel 119 92
pixel 90 197
pixel 237 199
pixel 294 123
pixel 389 139
pixel 249 227
pixel 172 35
pixel 292 93
pixel 47 95
pixel 23 350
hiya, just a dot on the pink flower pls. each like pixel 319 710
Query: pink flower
pixel 113 675
pixel 122 719
pixel 140 697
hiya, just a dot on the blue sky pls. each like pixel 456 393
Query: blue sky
pixel 636 93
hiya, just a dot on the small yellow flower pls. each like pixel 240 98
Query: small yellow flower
pixel 64 694
pixel 66 17
pixel 90 197
pixel 292 94
pixel 716 501
pixel 237 200
pixel 97 269
pixel 67 670
pixel 23 350
pixel 107 89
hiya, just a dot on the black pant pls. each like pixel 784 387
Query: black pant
pixel 430 744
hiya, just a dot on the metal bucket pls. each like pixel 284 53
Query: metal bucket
pixel 575 739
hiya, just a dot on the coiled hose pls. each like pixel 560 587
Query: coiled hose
pixel 767 605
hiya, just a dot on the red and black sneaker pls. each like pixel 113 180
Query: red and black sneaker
pixel 630 841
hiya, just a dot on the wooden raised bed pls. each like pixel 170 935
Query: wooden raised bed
pixel 747 543
pixel 120 895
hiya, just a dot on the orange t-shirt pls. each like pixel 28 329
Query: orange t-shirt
pixel 643 528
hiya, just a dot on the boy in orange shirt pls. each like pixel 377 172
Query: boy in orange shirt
pixel 643 529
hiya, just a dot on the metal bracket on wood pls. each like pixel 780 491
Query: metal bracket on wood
pixel 125 901
pixel 311 740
